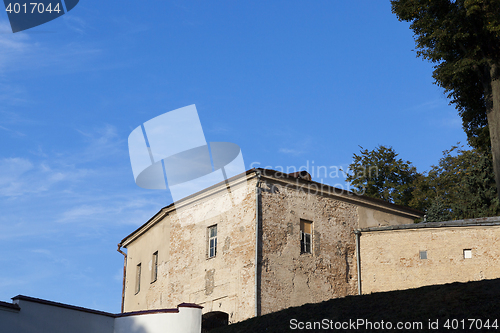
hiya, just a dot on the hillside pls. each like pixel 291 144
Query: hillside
pixel 458 304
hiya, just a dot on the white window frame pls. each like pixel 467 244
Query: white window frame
pixel 212 241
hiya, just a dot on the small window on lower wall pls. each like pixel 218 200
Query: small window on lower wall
pixel 423 254
pixel 467 254
pixel 138 279
pixel 154 267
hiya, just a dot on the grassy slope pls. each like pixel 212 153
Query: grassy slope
pixel 457 300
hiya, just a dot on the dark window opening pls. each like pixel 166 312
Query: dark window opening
pixel 211 320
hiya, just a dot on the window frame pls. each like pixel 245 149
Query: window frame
pixel 422 254
pixel 306 239
pixel 138 269
pixel 211 238
pixel 154 267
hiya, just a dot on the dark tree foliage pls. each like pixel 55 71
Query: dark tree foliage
pixel 461 186
pixel 463 38
pixel 379 174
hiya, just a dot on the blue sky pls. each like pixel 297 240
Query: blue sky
pixel 293 83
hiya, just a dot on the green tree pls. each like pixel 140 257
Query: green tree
pixel 461 186
pixel 463 38
pixel 379 174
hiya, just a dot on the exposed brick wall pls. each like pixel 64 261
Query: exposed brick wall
pixel 290 278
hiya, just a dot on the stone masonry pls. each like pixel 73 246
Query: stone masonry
pixel 455 251
pixel 231 282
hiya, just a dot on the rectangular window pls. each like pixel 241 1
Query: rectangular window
pixel 305 236
pixel 138 279
pixel 154 267
pixel 467 254
pixel 212 241
pixel 423 254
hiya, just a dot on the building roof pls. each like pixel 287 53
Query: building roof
pixel 10 306
pixel 60 305
pixel 298 179
pixel 15 306
pixel 482 221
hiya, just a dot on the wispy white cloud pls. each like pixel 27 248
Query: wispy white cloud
pixel 114 210
pixel 429 105
pixel 20 53
pixel 100 142
pixel 20 176
pixel 13 132
pixel 42 251
pixel 439 113
pixel 75 23
pixel 14 46
pixel 11 172
pixel 298 147
pixel 450 120
pixel 13 94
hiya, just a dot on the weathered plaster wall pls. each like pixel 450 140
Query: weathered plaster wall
pixel 141 251
pixel 185 273
pixel 290 278
pixel 369 217
pixel 390 259
pixel 286 277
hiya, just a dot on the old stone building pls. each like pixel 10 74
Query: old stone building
pixel 415 255
pixel 288 242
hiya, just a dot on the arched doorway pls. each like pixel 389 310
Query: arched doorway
pixel 214 319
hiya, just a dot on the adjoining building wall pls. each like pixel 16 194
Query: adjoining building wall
pixel 289 277
pixel 223 283
pixel 150 295
pixel 369 217
pixel 230 283
pixel 31 315
pixel 391 259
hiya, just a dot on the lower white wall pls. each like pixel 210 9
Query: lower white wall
pixel 36 316
pixel 186 320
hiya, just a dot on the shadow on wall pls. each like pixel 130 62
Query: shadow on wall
pixel 214 319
